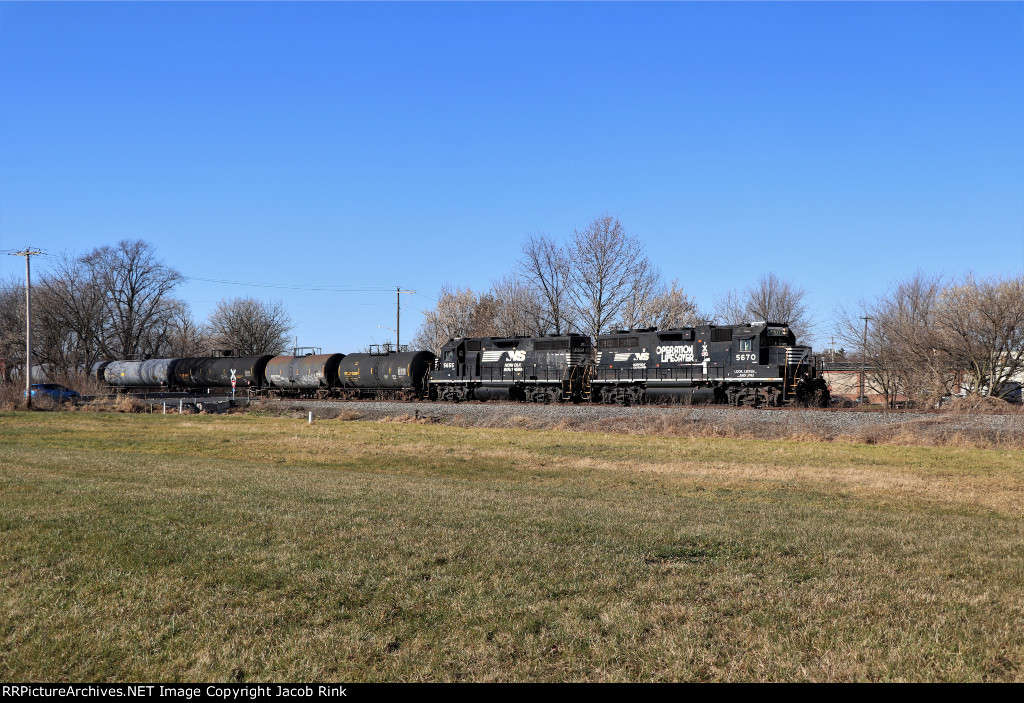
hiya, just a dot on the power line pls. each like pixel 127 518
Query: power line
pixel 294 286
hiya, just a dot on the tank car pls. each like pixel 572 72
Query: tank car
pixel 752 364
pixel 533 369
pixel 217 371
pixel 151 373
pixel 313 374
pixel 385 374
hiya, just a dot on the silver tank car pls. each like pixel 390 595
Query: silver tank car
pixel 311 372
pixel 149 373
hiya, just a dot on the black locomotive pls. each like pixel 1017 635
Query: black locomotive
pixel 757 364
pixel 532 369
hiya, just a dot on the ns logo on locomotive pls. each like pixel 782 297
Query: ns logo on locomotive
pixel 752 364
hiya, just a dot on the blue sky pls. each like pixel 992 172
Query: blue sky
pixel 367 146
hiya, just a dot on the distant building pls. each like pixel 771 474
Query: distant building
pixel 844 381
pixel 1015 381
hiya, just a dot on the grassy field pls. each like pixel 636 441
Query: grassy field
pixel 251 548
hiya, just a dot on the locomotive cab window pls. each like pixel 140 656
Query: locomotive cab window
pixel 746 345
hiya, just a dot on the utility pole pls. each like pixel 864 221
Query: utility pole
pixel 398 316
pixel 28 253
pixel 864 358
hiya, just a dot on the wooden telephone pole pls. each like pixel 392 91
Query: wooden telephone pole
pixel 398 316
pixel 28 253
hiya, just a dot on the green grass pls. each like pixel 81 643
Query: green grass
pixel 252 548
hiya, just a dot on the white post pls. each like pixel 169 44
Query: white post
pixel 311 417
pixel 165 407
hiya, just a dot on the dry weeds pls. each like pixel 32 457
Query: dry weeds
pixel 212 548
pixel 250 548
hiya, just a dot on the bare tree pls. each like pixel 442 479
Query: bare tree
pixel 484 321
pixel 137 291
pixel 664 307
pixel 981 323
pixel 12 325
pixel 880 358
pixel 905 352
pixel 519 307
pixel 250 326
pixel 731 308
pixel 607 269
pixel 545 267
pixel 909 315
pixel 71 310
pixel 771 299
pixel 185 337
pixel 453 316
pixel 512 307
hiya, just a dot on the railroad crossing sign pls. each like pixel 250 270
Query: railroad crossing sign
pixel 232 379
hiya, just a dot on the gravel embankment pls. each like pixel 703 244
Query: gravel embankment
pixel 759 422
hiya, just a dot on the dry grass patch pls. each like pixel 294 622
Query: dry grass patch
pixel 247 548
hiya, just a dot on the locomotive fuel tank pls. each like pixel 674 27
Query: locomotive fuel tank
pixel 303 372
pixel 216 372
pixel 151 373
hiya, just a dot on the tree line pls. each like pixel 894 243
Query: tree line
pixel 599 279
pixel 929 334
pixel 925 336
pixel 119 302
